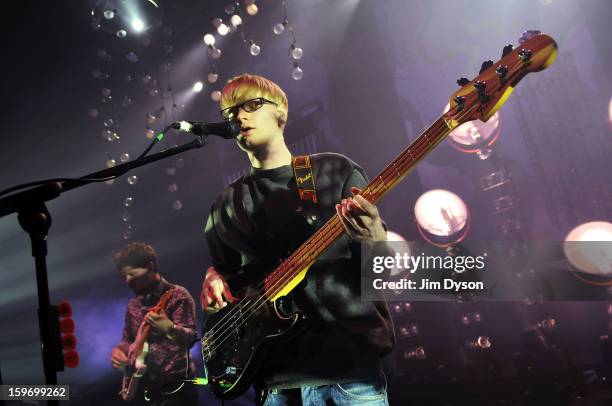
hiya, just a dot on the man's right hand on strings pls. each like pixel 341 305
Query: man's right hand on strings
pixel 214 290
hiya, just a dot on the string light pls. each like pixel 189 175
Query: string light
pixel 295 53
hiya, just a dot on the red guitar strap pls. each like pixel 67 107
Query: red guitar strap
pixel 304 178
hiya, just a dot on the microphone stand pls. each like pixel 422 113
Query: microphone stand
pixel 35 219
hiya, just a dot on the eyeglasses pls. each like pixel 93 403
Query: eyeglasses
pixel 249 106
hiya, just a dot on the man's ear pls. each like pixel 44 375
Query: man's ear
pixel 281 118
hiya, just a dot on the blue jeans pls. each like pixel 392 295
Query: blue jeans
pixel 371 393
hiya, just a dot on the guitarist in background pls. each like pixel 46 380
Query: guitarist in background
pixel 260 218
pixel 171 334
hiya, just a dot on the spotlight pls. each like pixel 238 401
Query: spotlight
pixel 138 25
pixel 442 217
pixel 475 137
pixel 198 86
pixel 588 249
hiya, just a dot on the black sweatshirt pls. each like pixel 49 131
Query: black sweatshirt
pixel 260 218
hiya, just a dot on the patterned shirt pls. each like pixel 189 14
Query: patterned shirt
pixel 168 357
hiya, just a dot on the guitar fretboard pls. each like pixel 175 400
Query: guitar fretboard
pixel 395 172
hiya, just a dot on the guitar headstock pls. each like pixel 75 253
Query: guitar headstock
pixel 481 97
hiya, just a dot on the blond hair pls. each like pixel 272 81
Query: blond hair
pixel 246 86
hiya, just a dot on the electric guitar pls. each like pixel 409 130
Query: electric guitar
pixel 235 338
pixel 136 369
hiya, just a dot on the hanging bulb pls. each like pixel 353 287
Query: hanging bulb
pixel 209 39
pixel 296 52
pixel 255 49
pixel 252 9
pixel 279 28
pixel 109 14
pixel 216 22
pixel 121 33
pixel 215 53
pixel 222 29
pixel 297 73
pixel 236 20
pixel 212 77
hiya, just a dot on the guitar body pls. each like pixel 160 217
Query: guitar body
pixel 133 374
pixel 234 351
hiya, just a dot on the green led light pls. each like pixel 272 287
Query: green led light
pixel 160 136
pixel 199 381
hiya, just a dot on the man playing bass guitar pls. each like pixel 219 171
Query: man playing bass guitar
pixel 262 217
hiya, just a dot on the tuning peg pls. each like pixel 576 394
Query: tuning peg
pixel 485 65
pixel 460 100
pixel 463 81
pixel 480 86
pixel 525 55
pixel 507 49
pixel 501 71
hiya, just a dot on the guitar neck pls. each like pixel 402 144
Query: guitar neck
pixel 394 173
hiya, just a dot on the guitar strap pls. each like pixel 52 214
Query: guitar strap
pixel 304 178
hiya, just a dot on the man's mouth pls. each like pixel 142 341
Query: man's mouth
pixel 245 130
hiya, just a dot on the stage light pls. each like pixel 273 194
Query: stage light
pixel 588 248
pixel 128 202
pixel 109 14
pixel 475 137
pixel 198 86
pixel 132 180
pixel 124 157
pixel 121 34
pixel 442 217
pixel 209 39
pixel 222 29
pixel 138 25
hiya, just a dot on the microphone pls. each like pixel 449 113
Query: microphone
pixel 223 129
